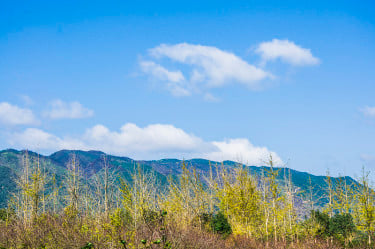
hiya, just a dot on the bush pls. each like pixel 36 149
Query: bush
pixel 341 226
pixel 219 224
pixel 6 214
pixel 3 214
pixel 323 220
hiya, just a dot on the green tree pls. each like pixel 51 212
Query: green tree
pixel 219 224
pixel 240 201
pixel 342 227
pixel 186 198
pixel 365 207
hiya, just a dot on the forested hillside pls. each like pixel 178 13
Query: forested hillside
pixel 12 163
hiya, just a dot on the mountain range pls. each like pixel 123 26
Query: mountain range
pixel 91 164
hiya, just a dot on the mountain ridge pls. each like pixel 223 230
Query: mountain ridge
pixel 91 162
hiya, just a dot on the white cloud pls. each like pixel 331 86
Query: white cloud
pixel 211 98
pixel 241 150
pixel 134 139
pixel 217 66
pixel 161 72
pixel 14 115
pixel 368 111
pixel 72 110
pixel 287 51
pixel 176 83
pixel 150 142
pixel 27 100
pixel 210 68
pixel 37 139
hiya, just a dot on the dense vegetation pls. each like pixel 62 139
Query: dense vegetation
pixel 225 207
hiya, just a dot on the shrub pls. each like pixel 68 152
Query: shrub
pixel 219 224
pixel 6 214
pixel 341 226
pixel 322 220
pixel 3 214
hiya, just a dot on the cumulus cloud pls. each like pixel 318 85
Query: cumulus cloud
pixel 368 111
pixel 64 110
pixel 134 139
pixel 37 139
pixel 14 115
pixel 215 65
pixel 209 67
pixel 286 51
pixel 150 142
pixel 242 150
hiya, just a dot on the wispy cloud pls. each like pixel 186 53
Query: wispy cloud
pixel 14 115
pixel 161 72
pixel 176 82
pixel 209 67
pixel 368 111
pixel 287 51
pixel 27 99
pixel 368 160
pixel 67 110
pixel 150 142
pixel 211 98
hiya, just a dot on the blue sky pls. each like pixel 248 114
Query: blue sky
pixel 206 79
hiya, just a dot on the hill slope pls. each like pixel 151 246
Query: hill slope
pixel 91 164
